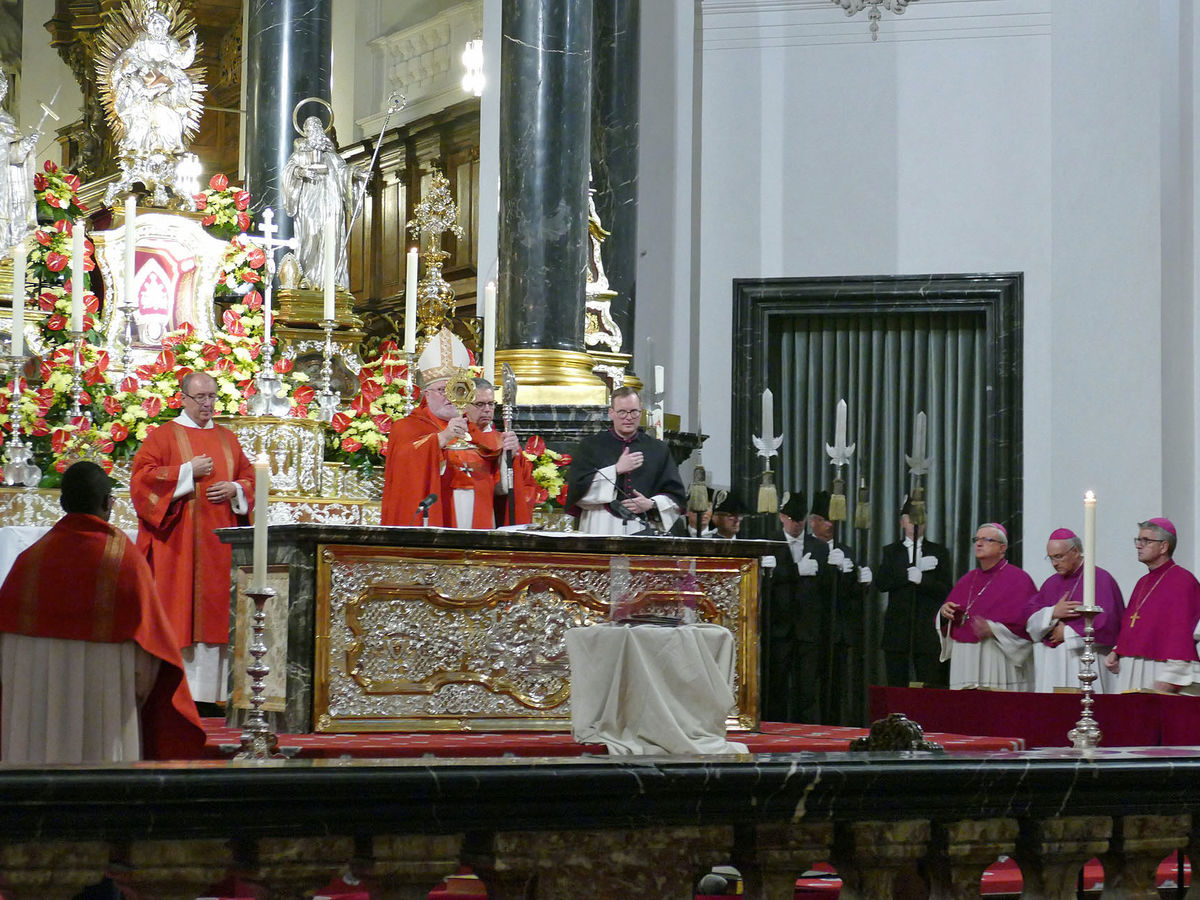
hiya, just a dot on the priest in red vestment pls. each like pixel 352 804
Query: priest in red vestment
pixel 515 489
pixel 85 592
pixel 424 472
pixel 1157 646
pixel 191 477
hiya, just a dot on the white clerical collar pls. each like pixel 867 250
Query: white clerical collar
pixel 186 421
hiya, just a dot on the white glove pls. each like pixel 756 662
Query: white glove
pixel 836 558
pixel 914 574
pixel 807 565
pixel 927 563
pixel 768 562
pixel 864 575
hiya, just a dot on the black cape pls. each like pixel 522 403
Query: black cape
pixel 658 473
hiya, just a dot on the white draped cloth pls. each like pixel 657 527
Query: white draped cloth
pixel 648 689
pixel 1055 667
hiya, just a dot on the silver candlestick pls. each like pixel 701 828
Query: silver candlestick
pixel 17 454
pixel 328 399
pixel 128 307
pixel 409 362
pixel 259 741
pixel 76 410
pixel 1086 733
pixel 266 400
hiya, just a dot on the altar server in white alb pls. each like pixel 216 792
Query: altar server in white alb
pixel 1056 623
pixel 982 622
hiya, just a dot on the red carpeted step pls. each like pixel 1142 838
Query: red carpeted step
pixel 772 737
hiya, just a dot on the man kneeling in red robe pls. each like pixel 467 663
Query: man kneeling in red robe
pixel 90 668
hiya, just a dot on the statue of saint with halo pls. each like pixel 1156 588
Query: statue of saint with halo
pixel 317 187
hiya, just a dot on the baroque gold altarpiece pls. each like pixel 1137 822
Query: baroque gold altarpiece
pixel 440 630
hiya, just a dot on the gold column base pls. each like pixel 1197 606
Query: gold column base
pixel 550 377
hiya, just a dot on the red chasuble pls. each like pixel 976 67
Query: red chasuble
pixel 417 467
pixel 1161 615
pixel 999 594
pixel 86 581
pixel 523 486
pixel 190 564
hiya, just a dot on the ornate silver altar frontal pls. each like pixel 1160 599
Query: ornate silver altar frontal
pixel 462 640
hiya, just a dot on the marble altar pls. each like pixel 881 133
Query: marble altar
pixel 426 629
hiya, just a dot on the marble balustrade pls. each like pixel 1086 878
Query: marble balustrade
pixel 912 824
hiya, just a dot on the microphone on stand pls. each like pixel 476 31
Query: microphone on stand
pixel 624 514
pixel 423 509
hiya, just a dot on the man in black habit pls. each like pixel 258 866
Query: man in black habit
pixel 623 481
pixel 915 573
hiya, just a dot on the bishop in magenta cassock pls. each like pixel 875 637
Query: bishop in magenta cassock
pixel 1056 625
pixel 191 477
pixel 982 622
pixel 1156 650
pixel 88 662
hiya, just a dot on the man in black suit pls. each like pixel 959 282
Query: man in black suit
pixel 814 622
pixel 915 573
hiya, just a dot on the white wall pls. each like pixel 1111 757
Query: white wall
pixel 1106 372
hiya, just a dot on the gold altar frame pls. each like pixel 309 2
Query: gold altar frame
pixel 377 604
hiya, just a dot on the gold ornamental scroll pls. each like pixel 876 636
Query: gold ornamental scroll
pixel 424 639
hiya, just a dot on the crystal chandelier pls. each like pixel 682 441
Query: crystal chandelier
pixel 872 6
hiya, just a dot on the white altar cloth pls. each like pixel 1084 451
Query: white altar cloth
pixel 649 689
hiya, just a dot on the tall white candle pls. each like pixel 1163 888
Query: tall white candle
pixel 130 246
pixel 410 302
pixel 1089 550
pixel 20 258
pixel 768 415
pixel 77 276
pixel 262 487
pixel 659 380
pixel 330 257
pixel 489 332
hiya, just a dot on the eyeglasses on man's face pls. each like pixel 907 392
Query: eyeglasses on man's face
pixel 627 413
pixel 980 539
pixel 202 398
pixel 1142 542
pixel 1059 557
pixel 483 404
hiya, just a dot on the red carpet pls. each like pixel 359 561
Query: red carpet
pixel 771 738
